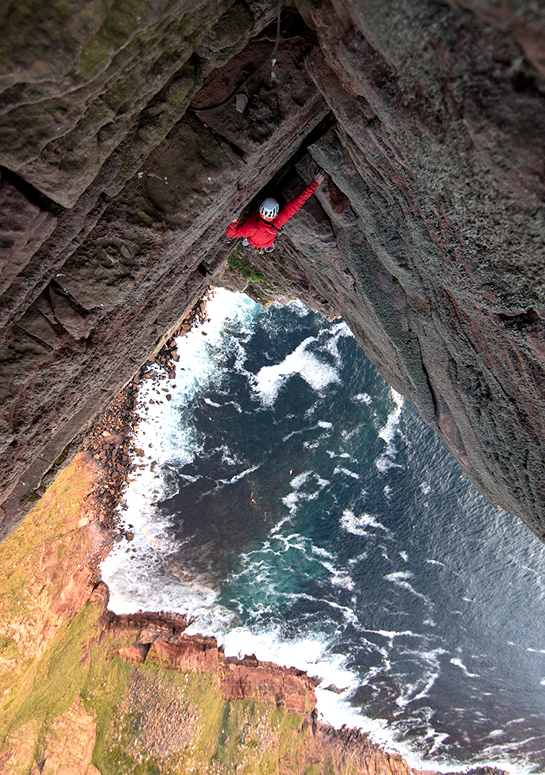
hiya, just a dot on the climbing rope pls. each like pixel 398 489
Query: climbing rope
pixel 252 75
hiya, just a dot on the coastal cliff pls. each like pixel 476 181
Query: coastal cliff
pixel 116 185
pixel 87 692
pixel 427 237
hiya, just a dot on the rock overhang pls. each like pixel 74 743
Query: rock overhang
pixel 427 237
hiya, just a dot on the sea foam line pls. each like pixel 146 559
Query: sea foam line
pixel 388 432
pixel 317 373
pixel 134 571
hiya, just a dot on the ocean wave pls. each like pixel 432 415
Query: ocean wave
pixel 346 472
pixel 139 579
pixel 412 692
pixel 237 477
pixel 317 373
pixel 400 579
pixel 333 336
pixel 388 432
pixel 325 424
pixel 293 499
pixel 339 577
pixel 364 398
pixel 458 663
pixel 357 525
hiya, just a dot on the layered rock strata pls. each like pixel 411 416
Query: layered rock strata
pixel 428 237
pixel 159 639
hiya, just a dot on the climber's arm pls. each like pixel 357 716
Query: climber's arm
pixel 246 229
pixel 292 207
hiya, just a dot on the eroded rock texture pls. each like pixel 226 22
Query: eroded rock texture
pixel 427 237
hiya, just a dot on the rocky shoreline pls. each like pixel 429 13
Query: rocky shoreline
pixel 159 638
pixel 97 693
pixel 109 443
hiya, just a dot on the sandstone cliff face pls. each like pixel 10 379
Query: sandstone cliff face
pixel 427 238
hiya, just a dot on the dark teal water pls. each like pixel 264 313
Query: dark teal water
pixel 324 525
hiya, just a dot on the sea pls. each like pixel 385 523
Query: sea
pixel 297 508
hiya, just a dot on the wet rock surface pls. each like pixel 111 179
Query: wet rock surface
pixel 427 237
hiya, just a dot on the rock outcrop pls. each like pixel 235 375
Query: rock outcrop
pixel 159 639
pixel 117 185
pixel 238 679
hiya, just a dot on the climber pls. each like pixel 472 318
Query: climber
pixel 261 229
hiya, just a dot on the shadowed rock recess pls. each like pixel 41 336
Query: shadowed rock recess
pixel 427 237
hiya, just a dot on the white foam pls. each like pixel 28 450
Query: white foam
pixel 227 456
pixel 294 498
pixel 463 668
pixel 316 373
pixel 399 578
pixel 322 552
pixel 343 455
pixel 136 573
pixel 139 579
pixel 334 334
pixel 189 478
pixel 304 652
pixel 339 577
pixel 293 433
pixel 388 432
pixel 363 397
pixel 413 692
pixel 298 481
pixel 238 477
pixel 347 435
pixel 346 472
pixel 356 525
pixel 298 307
pixel 359 558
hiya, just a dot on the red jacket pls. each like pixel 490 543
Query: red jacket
pixel 262 234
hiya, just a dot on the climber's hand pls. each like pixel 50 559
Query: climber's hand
pixel 319 177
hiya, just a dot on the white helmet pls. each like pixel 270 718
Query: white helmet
pixel 269 208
